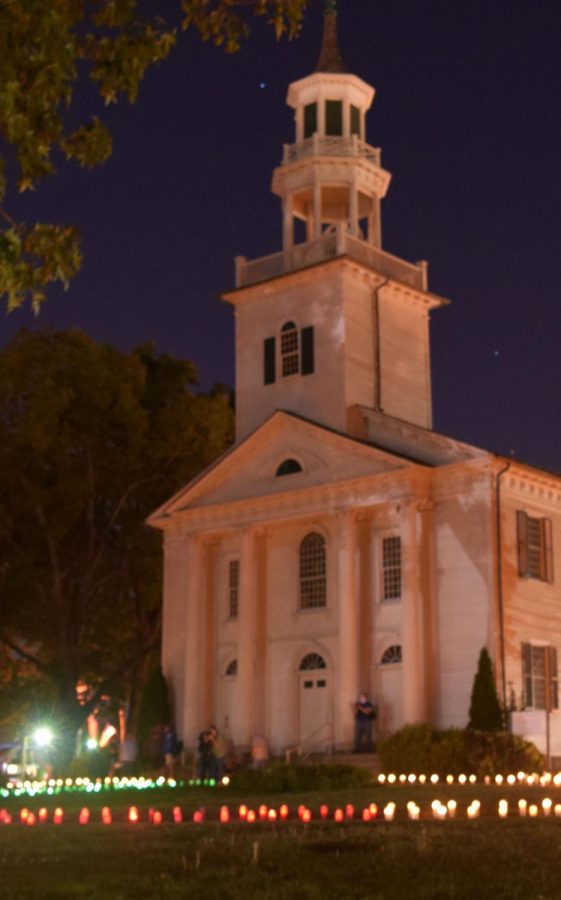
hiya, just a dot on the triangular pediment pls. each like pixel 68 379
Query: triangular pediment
pixel 249 470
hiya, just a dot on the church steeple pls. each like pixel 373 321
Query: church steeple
pixel 330 59
pixel 332 324
pixel 330 177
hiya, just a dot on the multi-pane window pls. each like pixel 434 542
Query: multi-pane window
pixel 296 353
pixel 233 587
pixel 391 568
pixel 289 349
pixel 392 655
pixel 535 547
pixel 313 583
pixel 312 661
pixel 539 672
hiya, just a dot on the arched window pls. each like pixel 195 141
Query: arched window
pixel 289 349
pixel 288 467
pixel 312 661
pixel 391 655
pixel 312 571
pixel 231 668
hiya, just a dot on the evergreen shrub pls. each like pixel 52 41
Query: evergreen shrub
pixel 283 778
pixel 422 749
pixel 485 713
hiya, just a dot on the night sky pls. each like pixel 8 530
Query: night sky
pixel 467 113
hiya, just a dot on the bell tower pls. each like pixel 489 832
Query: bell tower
pixel 330 175
pixel 332 323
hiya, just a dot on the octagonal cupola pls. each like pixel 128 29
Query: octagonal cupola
pixel 330 176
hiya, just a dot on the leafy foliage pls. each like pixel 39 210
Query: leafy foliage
pixel 485 713
pixel 91 442
pixel 422 749
pixel 225 21
pixel 154 710
pixel 283 778
pixel 48 50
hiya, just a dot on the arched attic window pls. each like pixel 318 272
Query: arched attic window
pixel 392 655
pixel 313 570
pixel 312 661
pixel 288 467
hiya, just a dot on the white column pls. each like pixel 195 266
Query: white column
pixel 348 668
pixel 287 223
pixel 174 620
pixel 353 208
pixel 192 707
pixel 243 719
pixel 413 681
pixel 317 208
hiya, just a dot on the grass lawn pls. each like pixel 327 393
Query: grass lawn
pixel 480 859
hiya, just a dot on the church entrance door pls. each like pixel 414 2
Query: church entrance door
pixel 315 721
pixel 390 699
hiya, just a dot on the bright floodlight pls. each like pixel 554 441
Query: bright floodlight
pixel 91 743
pixel 43 737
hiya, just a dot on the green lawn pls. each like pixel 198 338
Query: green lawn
pixel 485 858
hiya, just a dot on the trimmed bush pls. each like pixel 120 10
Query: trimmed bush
pixel 485 713
pixel 423 749
pixel 281 778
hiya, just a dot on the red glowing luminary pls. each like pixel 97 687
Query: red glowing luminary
pixel 224 815
pixel 177 815
pixel 84 816
pixel 23 814
pixel 349 810
pixel 339 815
pixel 106 816
pixel 30 820
pixel 306 815
pixel 43 815
pixel 251 817
pixel 263 810
pixel 366 815
pixel 199 816
pixel 373 810
pixel 283 811
pixel 133 814
pixel 324 810
pixel 272 815
pixel 157 817
pixel 7 819
pixel 58 816
pixel 242 811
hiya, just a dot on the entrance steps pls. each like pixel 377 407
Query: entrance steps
pixel 370 761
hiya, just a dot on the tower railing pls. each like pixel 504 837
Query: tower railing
pixel 331 145
pixel 329 246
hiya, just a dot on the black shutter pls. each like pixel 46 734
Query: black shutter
pixel 548 550
pixel 553 678
pixel 269 360
pixel 527 675
pixel 307 345
pixel 522 539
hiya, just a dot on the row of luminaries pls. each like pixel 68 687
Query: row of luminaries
pixel 372 812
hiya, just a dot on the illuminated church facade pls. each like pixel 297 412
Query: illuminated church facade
pixel 342 545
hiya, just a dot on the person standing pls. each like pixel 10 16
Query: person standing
pixel 218 752
pixel 364 717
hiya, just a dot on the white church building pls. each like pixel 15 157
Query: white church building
pixel 341 545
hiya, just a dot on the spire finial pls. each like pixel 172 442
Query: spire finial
pixel 330 59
